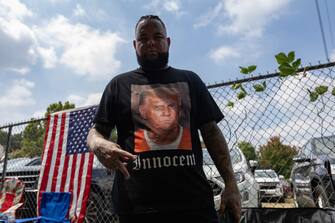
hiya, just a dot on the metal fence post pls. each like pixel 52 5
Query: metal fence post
pixel 6 155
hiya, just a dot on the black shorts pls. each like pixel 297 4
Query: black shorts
pixel 194 216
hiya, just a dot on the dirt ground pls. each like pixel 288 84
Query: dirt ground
pixel 289 203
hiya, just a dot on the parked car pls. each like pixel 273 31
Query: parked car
pixel 313 173
pixel 270 185
pixel 246 182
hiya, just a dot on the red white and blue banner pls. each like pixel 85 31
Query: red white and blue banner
pixel 66 161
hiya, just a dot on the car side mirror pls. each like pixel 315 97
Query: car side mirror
pixel 301 159
pixel 253 165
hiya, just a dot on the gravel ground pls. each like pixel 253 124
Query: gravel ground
pixel 289 203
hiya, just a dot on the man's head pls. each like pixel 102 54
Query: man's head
pixel 151 43
pixel 160 107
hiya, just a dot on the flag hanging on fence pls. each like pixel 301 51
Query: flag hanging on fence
pixel 66 160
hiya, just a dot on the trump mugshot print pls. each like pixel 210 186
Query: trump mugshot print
pixel 161 114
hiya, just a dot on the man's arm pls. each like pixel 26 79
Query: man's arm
pixel 219 152
pixel 109 153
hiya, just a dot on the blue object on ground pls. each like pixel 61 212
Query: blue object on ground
pixel 54 208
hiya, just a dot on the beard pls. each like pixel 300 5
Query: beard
pixel 153 64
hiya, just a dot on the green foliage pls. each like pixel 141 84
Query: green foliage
pixel 15 140
pixel 321 89
pixel 33 134
pixel 296 63
pixel 241 94
pixel 281 58
pixel 318 91
pixel 287 65
pixel 32 140
pixel 313 96
pixel 248 150
pixel 247 70
pixel 236 86
pixel 55 107
pixel 333 91
pixel 290 56
pixel 230 104
pixel 113 136
pixel 278 156
pixel 3 138
pixel 260 87
pixel 286 69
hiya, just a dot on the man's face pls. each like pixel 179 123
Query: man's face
pixel 151 41
pixel 161 113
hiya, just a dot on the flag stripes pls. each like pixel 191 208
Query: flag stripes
pixel 66 161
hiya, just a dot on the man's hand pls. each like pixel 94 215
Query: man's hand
pixel 231 200
pixel 109 154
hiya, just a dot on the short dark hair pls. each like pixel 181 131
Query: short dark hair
pixel 160 92
pixel 148 17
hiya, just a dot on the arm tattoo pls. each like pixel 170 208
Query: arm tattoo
pixel 218 150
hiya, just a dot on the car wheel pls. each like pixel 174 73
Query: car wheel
pixel 94 211
pixel 321 199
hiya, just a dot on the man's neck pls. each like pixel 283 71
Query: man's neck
pixel 155 69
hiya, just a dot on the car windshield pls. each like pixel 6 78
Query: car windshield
pixel 300 176
pixel 234 154
pixel 260 173
pixel 325 146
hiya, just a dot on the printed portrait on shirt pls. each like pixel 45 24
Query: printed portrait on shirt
pixel 161 115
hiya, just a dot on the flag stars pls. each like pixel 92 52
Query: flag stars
pixel 79 125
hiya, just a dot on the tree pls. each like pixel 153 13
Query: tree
pixel 32 140
pixel 15 140
pixel 274 154
pixel 113 136
pixel 248 150
pixel 55 107
pixel 33 134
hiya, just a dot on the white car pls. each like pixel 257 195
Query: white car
pixel 246 182
pixel 270 185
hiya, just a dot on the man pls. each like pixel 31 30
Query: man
pixel 166 185
pixel 160 110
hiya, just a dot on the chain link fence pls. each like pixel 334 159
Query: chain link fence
pixel 21 147
pixel 288 133
pixel 282 145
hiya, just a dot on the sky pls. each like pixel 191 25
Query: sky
pixel 63 50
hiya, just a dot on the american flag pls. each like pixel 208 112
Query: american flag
pixel 66 160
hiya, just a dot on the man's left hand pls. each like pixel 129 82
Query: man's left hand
pixel 231 200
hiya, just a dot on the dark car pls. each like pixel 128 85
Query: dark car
pixel 99 206
pixel 313 173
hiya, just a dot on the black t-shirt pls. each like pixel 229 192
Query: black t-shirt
pixel 157 116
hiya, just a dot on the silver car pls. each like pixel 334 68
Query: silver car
pixel 270 185
pixel 246 182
